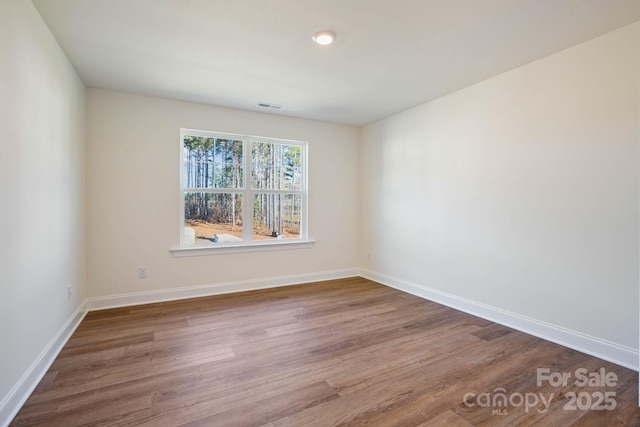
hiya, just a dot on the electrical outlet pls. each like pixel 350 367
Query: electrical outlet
pixel 69 293
pixel 369 256
pixel 142 272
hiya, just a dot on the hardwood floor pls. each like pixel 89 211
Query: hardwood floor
pixel 346 352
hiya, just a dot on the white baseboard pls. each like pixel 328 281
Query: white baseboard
pixel 135 298
pixel 612 352
pixel 615 353
pixel 21 391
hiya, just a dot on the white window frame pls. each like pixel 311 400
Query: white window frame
pixel 247 244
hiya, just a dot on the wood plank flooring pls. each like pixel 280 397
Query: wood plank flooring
pixel 346 352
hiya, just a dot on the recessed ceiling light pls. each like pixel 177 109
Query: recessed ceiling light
pixel 324 38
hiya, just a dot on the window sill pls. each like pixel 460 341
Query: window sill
pixel 189 251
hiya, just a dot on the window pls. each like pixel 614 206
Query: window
pixel 241 190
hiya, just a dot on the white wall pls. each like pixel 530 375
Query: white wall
pixel 133 149
pixel 520 192
pixel 41 189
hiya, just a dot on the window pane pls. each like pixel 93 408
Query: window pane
pixel 228 159
pixel 276 216
pixel 212 162
pixel 211 218
pixel 276 166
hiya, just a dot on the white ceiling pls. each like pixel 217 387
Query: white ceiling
pixel 389 55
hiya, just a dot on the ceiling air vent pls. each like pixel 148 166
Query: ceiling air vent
pixel 267 105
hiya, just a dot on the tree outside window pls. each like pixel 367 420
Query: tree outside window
pixel 225 205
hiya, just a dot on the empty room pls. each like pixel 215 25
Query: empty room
pixel 296 213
